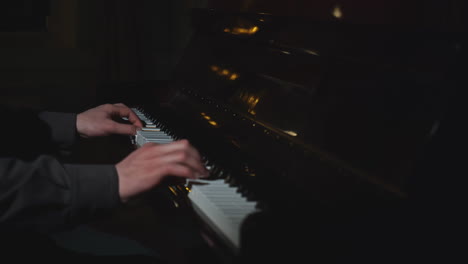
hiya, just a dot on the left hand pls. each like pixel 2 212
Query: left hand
pixel 101 121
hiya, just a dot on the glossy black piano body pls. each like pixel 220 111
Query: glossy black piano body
pixel 324 123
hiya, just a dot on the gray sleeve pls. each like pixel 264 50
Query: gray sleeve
pixel 44 194
pixel 62 127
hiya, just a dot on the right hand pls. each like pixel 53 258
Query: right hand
pixel 147 166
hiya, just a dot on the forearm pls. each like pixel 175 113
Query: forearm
pixel 44 194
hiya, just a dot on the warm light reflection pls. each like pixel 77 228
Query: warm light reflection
pixel 251 101
pixel 206 116
pixel 337 12
pixel 209 119
pixel 232 76
pixel 312 52
pixel 172 189
pixel 241 30
pixel 291 133
pixel 213 123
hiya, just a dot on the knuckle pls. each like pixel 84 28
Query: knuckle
pixel 107 106
pixel 184 142
pixel 182 156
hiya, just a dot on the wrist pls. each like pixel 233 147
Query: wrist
pixel 81 125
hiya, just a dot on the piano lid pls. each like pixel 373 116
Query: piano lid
pixel 364 97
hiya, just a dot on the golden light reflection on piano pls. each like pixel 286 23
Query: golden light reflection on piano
pixel 251 100
pixel 291 133
pixel 232 76
pixel 179 194
pixel 205 116
pixel 242 30
pixel 213 123
pixel 209 119
pixel 214 68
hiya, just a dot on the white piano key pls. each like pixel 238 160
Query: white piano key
pixel 222 207
pixel 151 127
pixel 159 141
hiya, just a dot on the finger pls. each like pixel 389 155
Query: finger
pixel 179 170
pixel 178 145
pixel 184 158
pixel 123 129
pixel 124 111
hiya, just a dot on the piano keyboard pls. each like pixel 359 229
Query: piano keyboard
pixel 220 205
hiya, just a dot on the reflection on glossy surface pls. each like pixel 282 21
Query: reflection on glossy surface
pixel 311 52
pixel 242 30
pixel 232 76
pixel 205 116
pixel 209 119
pixel 291 133
pixel 338 90
pixel 213 123
pixel 337 12
pixel 251 100
pixel 248 171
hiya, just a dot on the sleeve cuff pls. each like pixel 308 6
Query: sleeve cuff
pixel 96 187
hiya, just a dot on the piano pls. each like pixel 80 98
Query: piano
pixel 316 120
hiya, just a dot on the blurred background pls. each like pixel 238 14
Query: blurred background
pixel 68 55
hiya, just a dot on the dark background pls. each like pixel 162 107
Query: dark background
pixel 68 55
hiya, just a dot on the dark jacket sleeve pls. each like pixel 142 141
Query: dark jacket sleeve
pixel 44 195
pixel 62 128
pixel 26 133
pixel 37 191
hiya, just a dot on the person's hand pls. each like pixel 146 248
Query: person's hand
pixel 102 121
pixel 147 166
